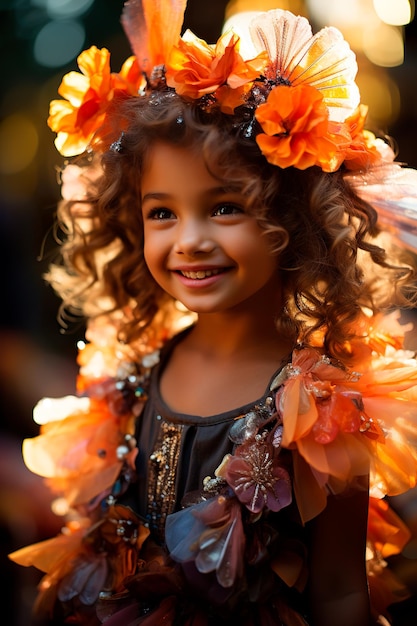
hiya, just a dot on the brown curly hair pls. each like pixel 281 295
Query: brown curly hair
pixel 330 263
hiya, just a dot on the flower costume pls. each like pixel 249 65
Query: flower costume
pixel 316 428
pixel 168 513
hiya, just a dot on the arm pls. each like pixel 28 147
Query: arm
pixel 338 584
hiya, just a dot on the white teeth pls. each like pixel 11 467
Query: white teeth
pixel 200 274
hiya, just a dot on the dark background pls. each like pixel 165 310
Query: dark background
pixel 36 358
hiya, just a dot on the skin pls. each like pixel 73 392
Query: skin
pixel 194 225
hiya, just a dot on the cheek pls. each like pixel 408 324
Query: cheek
pixel 154 251
pixel 149 241
pixel 146 249
pixel 149 253
pixel 263 264
pixel 255 248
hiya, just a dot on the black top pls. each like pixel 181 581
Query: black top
pixel 177 451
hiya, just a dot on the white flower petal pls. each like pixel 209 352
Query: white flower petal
pixel 324 61
pixel 55 409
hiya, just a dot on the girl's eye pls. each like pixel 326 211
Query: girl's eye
pixel 160 214
pixel 227 209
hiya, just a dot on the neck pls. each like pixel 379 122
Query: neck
pixel 227 334
pixel 248 330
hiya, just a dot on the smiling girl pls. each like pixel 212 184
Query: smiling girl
pixel 239 400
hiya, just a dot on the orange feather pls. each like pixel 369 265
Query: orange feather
pixel 152 28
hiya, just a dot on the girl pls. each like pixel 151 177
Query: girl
pixel 238 397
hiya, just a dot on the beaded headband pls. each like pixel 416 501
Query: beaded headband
pixel 291 91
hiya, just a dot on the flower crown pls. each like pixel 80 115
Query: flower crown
pixel 294 93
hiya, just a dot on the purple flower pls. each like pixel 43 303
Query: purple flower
pixel 256 478
pixel 210 534
pixel 85 580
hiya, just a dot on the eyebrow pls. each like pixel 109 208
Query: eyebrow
pixel 154 195
pixel 214 191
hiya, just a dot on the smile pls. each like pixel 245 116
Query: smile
pixel 200 274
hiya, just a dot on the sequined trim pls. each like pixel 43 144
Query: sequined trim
pixel 162 468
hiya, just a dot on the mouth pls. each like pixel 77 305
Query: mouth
pixel 200 274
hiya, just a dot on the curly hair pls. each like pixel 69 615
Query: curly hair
pixel 331 266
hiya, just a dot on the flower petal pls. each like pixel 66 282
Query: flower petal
pixel 324 61
pixel 296 129
pixel 196 68
pixel 153 27
pixel 211 534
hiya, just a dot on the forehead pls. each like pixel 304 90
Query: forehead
pixel 168 166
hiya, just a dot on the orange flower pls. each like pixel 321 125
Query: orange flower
pixel 362 151
pixel 54 555
pixel 130 79
pixel 323 61
pixel 195 68
pixel 297 130
pixel 316 401
pixel 386 531
pixel 78 454
pixel 335 422
pixel 87 97
pixel 84 557
pixel 387 535
pixel 229 99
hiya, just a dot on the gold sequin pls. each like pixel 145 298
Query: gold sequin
pixel 162 476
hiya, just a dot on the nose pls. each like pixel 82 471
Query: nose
pixel 193 237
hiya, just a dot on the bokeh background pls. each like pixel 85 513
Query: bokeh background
pixel 39 42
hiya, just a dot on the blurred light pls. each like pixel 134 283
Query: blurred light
pixel 381 95
pixel 60 507
pixel 352 18
pixel 67 8
pixel 340 14
pixel 18 143
pixel 59 42
pixel 384 45
pixel 239 22
pixel 239 6
pixel 64 8
pixel 396 13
